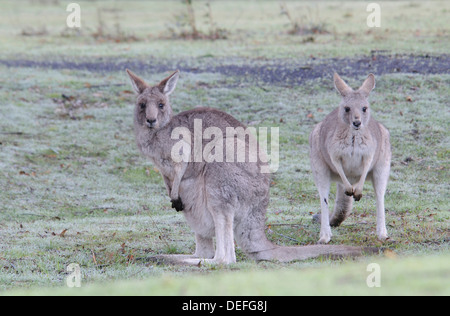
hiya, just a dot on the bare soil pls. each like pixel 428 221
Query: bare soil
pixel 282 72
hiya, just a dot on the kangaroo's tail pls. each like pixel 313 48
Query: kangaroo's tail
pixel 286 254
pixel 342 208
pixel 251 237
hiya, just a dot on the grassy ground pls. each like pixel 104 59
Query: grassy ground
pixel 75 189
pixel 256 28
pixel 411 276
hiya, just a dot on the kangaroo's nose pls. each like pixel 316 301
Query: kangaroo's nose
pixel 150 123
pixel 357 123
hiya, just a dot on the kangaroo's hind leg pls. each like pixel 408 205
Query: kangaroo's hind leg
pixel 204 247
pixel 380 179
pixel 322 178
pixel 323 182
pixel 224 228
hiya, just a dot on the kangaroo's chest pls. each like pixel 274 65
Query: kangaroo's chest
pixel 165 166
pixel 353 151
pixel 156 153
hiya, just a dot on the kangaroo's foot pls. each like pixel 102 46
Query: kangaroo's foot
pixel 174 260
pixel 325 235
pixel 382 234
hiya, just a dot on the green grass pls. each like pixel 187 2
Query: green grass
pixel 256 29
pixel 80 173
pixel 413 276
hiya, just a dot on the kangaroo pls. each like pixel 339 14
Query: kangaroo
pixel 348 147
pixel 222 200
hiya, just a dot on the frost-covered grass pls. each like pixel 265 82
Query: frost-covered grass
pixel 77 191
pixel 74 189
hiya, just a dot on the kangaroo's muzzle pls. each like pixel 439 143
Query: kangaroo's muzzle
pixel 150 123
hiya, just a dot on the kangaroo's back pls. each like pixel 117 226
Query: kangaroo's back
pixel 209 116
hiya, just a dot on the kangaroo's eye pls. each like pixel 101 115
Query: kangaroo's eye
pixel 142 106
pixel 347 109
pixel 364 109
pixel 161 105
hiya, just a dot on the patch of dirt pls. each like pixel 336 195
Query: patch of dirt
pixel 282 72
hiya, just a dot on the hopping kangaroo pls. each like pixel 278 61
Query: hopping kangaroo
pixel 222 200
pixel 348 147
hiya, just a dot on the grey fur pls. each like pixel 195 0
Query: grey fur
pixel 348 147
pixel 226 201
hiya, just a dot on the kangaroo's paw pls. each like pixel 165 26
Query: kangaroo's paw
pixel 178 205
pixel 357 193
pixel 357 197
pixel 349 191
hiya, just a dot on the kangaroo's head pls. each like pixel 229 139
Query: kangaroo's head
pixel 153 110
pixel 354 109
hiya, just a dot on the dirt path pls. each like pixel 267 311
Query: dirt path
pixel 282 72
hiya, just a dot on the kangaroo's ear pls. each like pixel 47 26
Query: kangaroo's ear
pixel 168 85
pixel 341 86
pixel 368 85
pixel 138 84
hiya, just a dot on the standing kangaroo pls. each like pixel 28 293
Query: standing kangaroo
pixel 225 200
pixel 348 147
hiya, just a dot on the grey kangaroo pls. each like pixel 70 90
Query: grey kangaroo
pixel 222 200
pixel 348 147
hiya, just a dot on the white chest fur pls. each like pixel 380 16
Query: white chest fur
pixel 352 150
